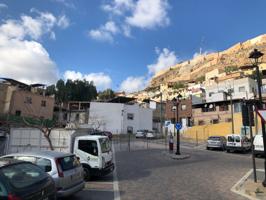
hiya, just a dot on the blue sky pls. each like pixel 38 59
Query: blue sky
pixel 117 43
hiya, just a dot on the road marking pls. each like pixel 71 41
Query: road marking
pixel 99 186
pixel 115 182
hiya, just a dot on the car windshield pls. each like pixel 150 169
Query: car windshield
pixel 23 175
pixel 215 138
pixel 68 163
pixel 105 145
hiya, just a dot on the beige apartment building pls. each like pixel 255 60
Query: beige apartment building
pixel 19 99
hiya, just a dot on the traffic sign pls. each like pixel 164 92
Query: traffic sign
pixel 178 126
pixel 262 114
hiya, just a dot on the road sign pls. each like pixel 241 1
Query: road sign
pixel 178 126
pixel 262 114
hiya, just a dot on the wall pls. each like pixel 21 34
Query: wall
pixel 109 115
pixel 6 92
pixel 33 109
pixel 221 129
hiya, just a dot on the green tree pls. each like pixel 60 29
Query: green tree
pixel 200 79
pixel 178 85
pixel 106 94
pixel 230 69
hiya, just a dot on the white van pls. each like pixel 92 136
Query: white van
pixel 258 145
pixel 236 142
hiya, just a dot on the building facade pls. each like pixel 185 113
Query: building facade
pixel 119 118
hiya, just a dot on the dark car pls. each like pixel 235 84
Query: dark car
pixel 104 133
pixel 216 142
pixel 20 180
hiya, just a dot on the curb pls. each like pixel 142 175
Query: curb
pixel 176 157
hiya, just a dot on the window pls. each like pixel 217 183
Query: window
pixel 242 89
pixel 28 100
pixel 23 175
pixel 201 122
pixel 215 121
pixel 130 129
pixel 3 192
pixel 68 162
pixel 183 107
pixel 210 94
pixel 18 112
pixel 43 103
pixel 223 108
pixel 130 116
pixel 45 164
pixel 237 107
pixel 105 145
pixel 88 146
pixel 77 117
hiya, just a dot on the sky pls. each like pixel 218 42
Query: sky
pixel 118 44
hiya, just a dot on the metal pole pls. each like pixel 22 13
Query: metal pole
pixel 177 131
pixel 250 109
pixel 128 141
pixel 161 113
pixel 232 112
pixel 260 106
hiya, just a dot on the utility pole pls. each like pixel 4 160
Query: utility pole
pixel 161 113
pixel 232 112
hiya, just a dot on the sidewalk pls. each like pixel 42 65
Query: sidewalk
pixel 248 188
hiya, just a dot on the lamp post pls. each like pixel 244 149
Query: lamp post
pixel 254 57
pixel 175 105
pixel 229 93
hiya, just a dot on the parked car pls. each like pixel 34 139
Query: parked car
pixel 20 180
pixel 64 168
pixel 216 142
pixel 258 145
pixel 141 133
pixel 236 142
pixel 150 135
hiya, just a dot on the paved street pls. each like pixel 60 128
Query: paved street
pixel 146 173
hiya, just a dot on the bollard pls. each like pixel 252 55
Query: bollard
pixel 171 143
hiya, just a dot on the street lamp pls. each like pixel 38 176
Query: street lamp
pixel 176 119
pixel 254 57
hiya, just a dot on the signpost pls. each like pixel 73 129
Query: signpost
pixel 178 126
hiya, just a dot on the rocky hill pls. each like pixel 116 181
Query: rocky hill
pixel 190 70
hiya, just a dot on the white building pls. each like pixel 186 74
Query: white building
pixel 119 117
pixel 242 88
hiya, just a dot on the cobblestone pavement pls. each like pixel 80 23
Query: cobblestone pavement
pixel 145 173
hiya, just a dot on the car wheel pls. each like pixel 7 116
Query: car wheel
pixel 228 150
pixel 87 173
pixel 208 148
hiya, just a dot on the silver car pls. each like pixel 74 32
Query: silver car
pixel 216 142
pixel 64 168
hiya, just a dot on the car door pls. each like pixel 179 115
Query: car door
pixel 88 152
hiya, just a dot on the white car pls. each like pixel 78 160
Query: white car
pixel 258 145
pixel 140 134
pixel 150 135
pixel 236 142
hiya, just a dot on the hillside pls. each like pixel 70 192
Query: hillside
pixel 190 70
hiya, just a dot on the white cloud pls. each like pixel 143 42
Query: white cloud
pixel 21 57
pixel 66 3
pixel 149 14
pixel 166 58
pixel 133 84
pixel 35 28
pixel 2 5
pixel 26 61
pixel 126 14
pixel 63 21
pixel 105 32
pixel 200 53
pixel 100 80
